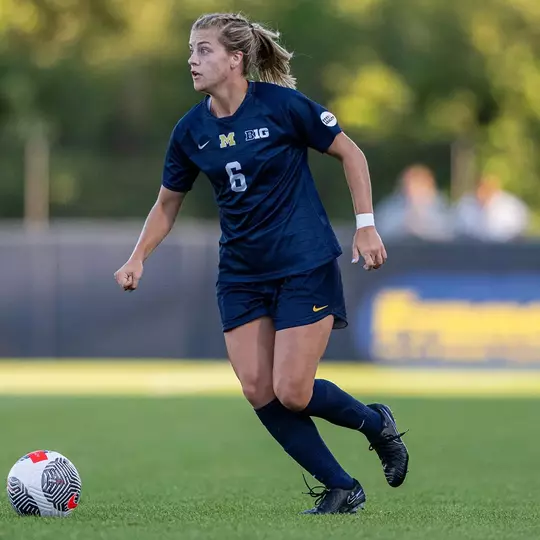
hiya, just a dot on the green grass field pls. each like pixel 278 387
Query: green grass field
pixel 203 468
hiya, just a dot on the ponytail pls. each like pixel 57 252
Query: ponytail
pixel 272 61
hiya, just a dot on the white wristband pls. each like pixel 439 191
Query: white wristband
pixel 364 220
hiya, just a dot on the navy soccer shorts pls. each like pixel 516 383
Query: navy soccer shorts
pixel 290 301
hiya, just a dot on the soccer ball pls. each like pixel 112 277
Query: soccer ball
pixel 44 483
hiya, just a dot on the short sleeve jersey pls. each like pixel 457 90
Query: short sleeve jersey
pixel 272 220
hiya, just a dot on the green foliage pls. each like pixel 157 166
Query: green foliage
pixel 451 70
pixel 109 79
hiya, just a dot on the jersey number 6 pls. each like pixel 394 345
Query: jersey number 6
pixel 237 179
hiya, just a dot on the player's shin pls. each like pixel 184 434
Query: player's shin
pixel 299 437
pixel 338 407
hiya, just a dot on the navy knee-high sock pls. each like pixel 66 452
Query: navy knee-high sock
pixel 336 406
pixel 299 437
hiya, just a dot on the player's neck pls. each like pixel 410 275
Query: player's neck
pixel 227 99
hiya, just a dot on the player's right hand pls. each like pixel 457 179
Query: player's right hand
pixel 129 275
pixel 368 244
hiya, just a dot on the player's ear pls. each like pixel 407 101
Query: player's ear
pixel 236 59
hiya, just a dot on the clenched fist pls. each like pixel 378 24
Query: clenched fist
pixel 129 275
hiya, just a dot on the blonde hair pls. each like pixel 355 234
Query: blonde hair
pixel 264 57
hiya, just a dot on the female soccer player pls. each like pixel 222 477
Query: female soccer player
pixel 279 289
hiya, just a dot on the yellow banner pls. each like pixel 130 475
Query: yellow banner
pixel 407 327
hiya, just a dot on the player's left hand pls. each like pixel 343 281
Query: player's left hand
pixel 368 244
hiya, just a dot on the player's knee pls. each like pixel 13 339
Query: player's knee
pixel 258 393
pixel 293 397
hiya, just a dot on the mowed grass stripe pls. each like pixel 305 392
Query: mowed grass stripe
pixel 159 378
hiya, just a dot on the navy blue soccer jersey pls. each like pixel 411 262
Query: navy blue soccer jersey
pixel 272 220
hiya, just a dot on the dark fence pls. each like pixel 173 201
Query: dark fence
pixel 456 303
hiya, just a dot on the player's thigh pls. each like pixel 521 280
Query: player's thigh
pixel 308 306
pixel 251 352
pixel 297 352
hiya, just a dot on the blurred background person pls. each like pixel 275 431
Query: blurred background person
pixel 415 209
pixel 490 213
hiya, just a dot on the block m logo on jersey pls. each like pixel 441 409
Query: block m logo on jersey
pixel 227 140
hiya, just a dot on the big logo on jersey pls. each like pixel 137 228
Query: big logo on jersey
pixel 253 134
pixel 227 140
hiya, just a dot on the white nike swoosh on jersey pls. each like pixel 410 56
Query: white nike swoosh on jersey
pixel 201 146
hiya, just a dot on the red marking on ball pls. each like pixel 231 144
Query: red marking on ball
pixel 37 456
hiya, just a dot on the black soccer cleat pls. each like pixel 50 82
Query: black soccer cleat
pixel 390 448
pixel 337 501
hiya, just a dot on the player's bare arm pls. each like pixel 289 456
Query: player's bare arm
pixel 367 242
pixel 157 226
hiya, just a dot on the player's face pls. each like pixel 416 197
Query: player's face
pixel 210 63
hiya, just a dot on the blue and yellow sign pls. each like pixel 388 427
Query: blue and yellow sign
pixel 453 319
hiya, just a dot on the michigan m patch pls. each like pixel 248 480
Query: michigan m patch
pixel 227 140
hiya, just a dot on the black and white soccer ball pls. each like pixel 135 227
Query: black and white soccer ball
pixel 44 483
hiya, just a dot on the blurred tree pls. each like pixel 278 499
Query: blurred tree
pixel 406 79
pixel 449 71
